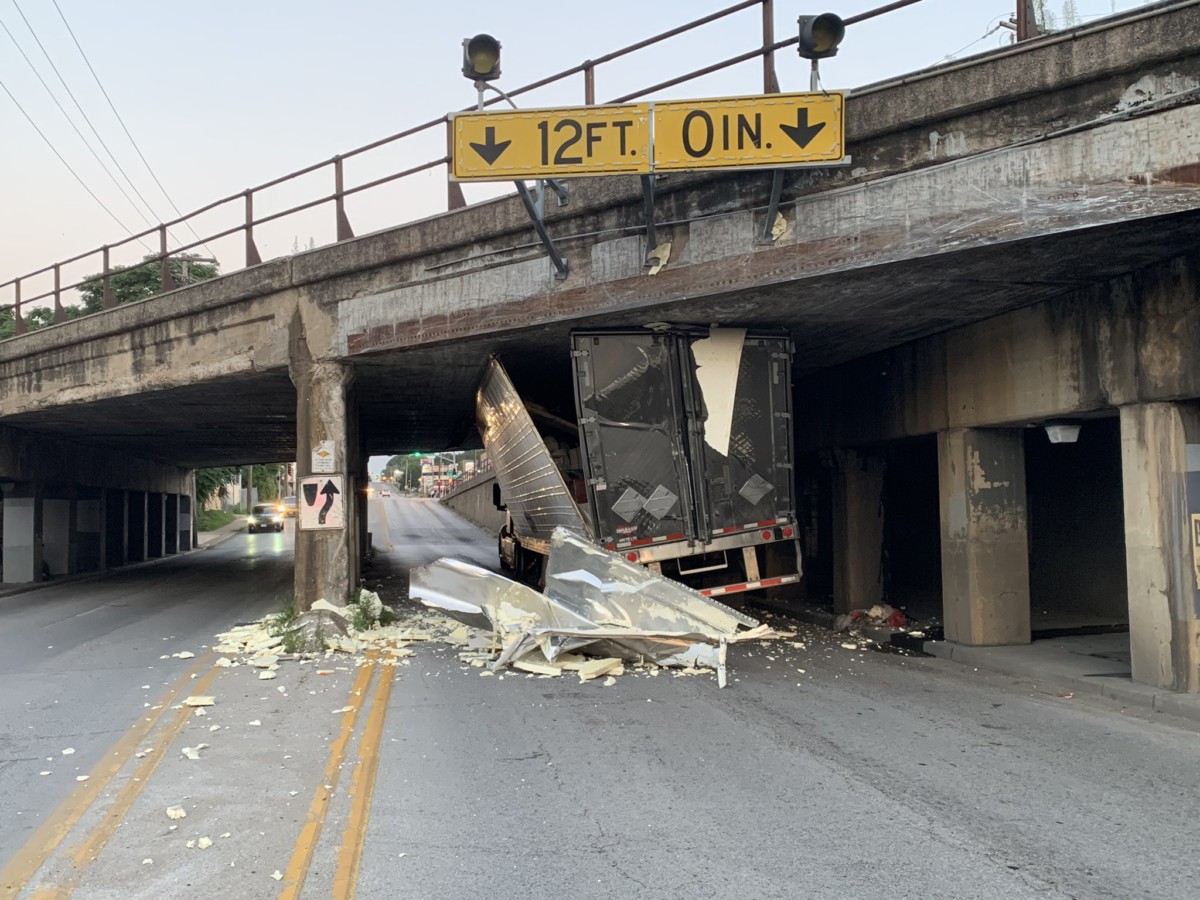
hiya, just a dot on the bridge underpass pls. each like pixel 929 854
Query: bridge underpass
pixel 951 297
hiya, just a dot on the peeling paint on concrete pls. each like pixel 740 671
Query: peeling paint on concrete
pixel 1155 87
pixel 947 146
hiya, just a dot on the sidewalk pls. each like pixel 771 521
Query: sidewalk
pixel 209 538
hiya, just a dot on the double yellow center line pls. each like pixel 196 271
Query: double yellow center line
pixel 21 870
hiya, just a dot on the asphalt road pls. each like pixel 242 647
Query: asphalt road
pixel 864 775
pixel 74 658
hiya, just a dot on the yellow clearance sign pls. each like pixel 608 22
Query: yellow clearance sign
pixel 769 131
pixel 551 143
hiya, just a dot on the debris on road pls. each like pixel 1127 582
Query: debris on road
pixel 593 599
pixel 194 752
pixel 176 812
pixel 199 700
pixel 204 843
pixel 68 751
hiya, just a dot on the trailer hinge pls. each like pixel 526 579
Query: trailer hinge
pixel 598 483
pixel 576 354
pixel 588 420
pixel 783 415
pixel 783 465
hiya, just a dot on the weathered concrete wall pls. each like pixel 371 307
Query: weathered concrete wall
pixel 474 504
pixel 1129 340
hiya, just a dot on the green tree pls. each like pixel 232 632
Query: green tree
pixel 132 283
pixel 212 482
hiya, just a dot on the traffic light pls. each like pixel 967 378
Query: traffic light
pixel 820 36
pixel 481 58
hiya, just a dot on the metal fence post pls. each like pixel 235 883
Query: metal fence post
pixel 770 81
pixel 166 282
pixel 108 301
pixel 252 257
pixel 344 231
pixel 17 318
pixel 60 315
pixel 589 83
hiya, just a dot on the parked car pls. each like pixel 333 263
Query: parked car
pixel 265 517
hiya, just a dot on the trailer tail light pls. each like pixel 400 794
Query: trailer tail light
pixel 787 532
pixel 632 557
pixel 766 535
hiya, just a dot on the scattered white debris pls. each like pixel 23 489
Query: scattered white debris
pixel 344 709
pixel 204 843
pixel 224 662
pixel 199 700
pixel 194 752
pixel 145 687
pixel 535 667
pixel 213 728
pixel 185 654
pixel 190 844
pixel 594 668
pixel 43 773
pixel 264 662
pixel 147 861
pixel 68 751
pixel 277 875
pixel 266 676
pixel 609 681
pixel 81 777
pixel 849 646
pixel 201 713
pixel 176 812
pixel 256 722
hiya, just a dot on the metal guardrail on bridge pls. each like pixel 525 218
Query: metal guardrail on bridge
pixel 335 167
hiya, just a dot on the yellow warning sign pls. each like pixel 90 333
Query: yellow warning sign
pixel 551 143
pixel 769 131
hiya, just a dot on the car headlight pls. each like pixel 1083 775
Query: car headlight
pixel 252 520
pixel 277 519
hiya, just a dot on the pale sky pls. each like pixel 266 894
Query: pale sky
pixel 224 95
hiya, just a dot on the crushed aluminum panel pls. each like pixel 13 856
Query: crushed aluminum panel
pixel 531 485
pixel 608 590
pixel 718 358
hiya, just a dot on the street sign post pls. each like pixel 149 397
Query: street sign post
pixel 551 143
pixel 770 131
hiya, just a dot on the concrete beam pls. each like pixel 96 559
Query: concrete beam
pixel 857 530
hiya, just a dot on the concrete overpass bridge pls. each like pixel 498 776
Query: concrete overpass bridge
pixel 1014 246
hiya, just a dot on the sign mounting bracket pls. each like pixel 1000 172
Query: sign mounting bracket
pixel 648 210
pixel 537 213
pixel 772 206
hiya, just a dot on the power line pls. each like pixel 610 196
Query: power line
pixel 71 94
pixel 71 122
pixel 113 107
pixel 54 149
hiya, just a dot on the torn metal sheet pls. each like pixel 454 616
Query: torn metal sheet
pixel 531 484
pixel 718 359
pixel 593 599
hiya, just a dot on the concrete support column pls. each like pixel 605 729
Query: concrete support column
pixel 135 525
pixel 187 519
pixel 857 531
pixel 156 526
pixel 985 551
pixel 1160 467
pixel 327 559
pixel 22 535
pixel 56 535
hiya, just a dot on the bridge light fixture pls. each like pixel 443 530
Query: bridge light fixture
pixel 820 36
pixel 481 58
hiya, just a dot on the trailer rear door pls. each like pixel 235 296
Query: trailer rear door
pixel 629 401
pixel 738 386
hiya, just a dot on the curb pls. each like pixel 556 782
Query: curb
pixel 1117 689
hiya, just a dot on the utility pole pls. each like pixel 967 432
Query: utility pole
pixel 1027 26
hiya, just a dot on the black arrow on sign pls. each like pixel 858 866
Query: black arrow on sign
pixel 489 149
pixel 329 490
pixel 802 133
